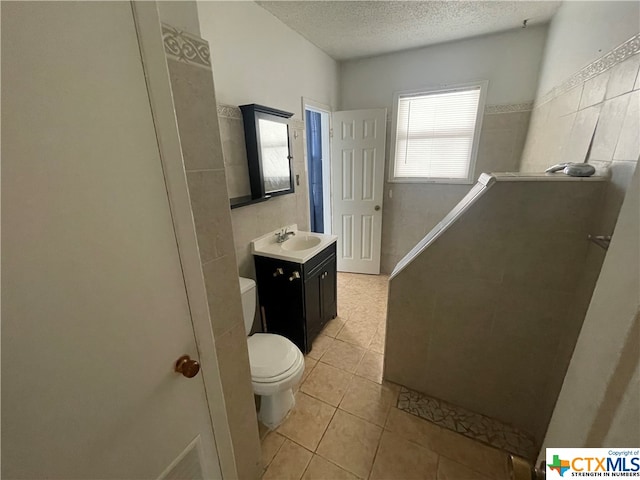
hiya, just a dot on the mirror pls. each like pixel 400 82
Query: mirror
pixel 274 152
pixel 268 151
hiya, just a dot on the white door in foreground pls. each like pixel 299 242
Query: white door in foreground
pixel 357 178
pixel 94 306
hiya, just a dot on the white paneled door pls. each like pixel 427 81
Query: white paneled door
pixel 357 173
pixel 94 307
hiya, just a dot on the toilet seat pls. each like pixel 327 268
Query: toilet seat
pixel 272 358
pixel 283 376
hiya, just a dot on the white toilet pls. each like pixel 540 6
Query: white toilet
pixel 277 364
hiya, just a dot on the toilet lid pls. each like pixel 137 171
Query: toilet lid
pixel 270 354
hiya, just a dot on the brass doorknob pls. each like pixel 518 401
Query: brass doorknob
pixel 187 367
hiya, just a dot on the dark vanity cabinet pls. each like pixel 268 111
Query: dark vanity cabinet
pixel 297 300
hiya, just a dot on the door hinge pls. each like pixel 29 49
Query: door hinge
pixel 331 133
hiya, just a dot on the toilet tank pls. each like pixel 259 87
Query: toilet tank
pixel 248 291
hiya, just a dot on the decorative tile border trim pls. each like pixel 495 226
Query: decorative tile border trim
pixel 234 113
pixel 296 124
pixel 229 111
pixel 511 108
pixel 604 63
pixel 468 423
pixel 184 47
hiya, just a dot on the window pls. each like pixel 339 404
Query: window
pixel 436 134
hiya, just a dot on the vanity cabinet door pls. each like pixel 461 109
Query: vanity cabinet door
pixel 320 294
pixel 328 289
pixel 313 306
pixel 297 300
pixel 281 301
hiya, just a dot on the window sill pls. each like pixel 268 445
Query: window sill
pixel 446 181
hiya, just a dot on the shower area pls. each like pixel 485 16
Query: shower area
pixel 484 312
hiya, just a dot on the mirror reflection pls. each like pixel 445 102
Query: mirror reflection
pixel 274 151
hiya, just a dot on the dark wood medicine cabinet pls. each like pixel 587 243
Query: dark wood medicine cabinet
pixel 266 132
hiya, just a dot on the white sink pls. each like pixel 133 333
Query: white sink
pixel 298 248
pixel 299 243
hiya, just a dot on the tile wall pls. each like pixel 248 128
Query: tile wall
pixel 252 221
pixel 594 116
pixel 414 209
pixel 486 317
pixel 195 106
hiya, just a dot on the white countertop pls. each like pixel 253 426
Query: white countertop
pixel 292 249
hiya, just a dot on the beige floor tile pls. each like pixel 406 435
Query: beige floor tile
pixel 368 400
pixel 289 463
pixel 270 446
pixel 377 343
pixel 307 421
pixel 357 332
pixel 414 429
pixel 373 311
pixel 350 443
pixel 321 469
pixel 319 346
pixel 348 305
pixel 344 309
pixel 475 455
pixel 398 458
pixel 371 366
pixel 343 355
pixel 309 364
pixel 327 383
pixel 450 470
pixel 333 327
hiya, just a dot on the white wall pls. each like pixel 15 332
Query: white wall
pixel 583 31
pixel 510 61
pixel 258 59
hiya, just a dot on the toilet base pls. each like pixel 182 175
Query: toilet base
pixel 274 408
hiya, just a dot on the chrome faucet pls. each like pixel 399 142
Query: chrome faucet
pixel 283 235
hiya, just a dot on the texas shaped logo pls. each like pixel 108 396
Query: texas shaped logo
pixel 558 465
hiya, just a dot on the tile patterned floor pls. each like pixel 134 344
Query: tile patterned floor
pixel 468 423
pixel 345 424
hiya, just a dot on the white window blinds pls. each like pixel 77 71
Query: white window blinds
pixel 435 134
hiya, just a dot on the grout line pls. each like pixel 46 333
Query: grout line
pixel 375 455
pixel 277 450
pixel 326 429
pixel 437 463
pixel 307 466
pixel 340 467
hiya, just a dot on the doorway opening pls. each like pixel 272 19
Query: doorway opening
pixel 317 124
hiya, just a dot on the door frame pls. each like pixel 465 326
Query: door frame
pixel 325 112
pixel 147 23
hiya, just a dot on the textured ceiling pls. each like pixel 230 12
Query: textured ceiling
pixel 353 29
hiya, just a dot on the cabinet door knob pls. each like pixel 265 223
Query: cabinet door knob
pixel 279 271
pixel 294 275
